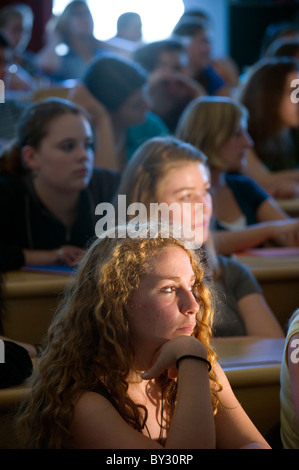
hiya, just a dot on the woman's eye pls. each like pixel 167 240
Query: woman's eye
pixel 238 133
pixel 168 289
pixel 185 197
pixel 89 145
pixel 67 147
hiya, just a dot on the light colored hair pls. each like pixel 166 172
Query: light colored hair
pixel 208 123
pixel 151 163
pixel 143 177
pixel 89 342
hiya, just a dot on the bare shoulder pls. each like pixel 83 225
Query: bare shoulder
pixel 89 401
pixel 97 424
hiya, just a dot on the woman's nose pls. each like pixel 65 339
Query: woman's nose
pixel 206 201
pixel 188 303
pixel 247 139
pixel 82 152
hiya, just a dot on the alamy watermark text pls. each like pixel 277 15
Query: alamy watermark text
pixel 133 217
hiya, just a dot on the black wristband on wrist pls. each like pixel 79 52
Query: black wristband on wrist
pixel 190 356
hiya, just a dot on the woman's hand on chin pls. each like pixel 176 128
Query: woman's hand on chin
pixel 170 352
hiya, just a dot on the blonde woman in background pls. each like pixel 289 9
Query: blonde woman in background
pixel 245 215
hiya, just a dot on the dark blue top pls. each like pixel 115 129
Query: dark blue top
pixel 248 194
pixel 215 82
pixel 210 80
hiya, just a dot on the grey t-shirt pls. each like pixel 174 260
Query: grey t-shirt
pixel 236 282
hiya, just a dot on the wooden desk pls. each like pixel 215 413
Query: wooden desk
pixel 252 366
pixel 279 278
pixel 30 300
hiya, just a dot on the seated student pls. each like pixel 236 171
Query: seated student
pixel 166 170
pixel 284 48
pixel 289 380
pixel 277 31
pixel 194 32
pixel 49 188
pixel 139 314
pixel 273 119
pixel 128 34
pixel 114 95
pixel 71 43
pixel 245 215
pixel 129 26
pixel 16 23
pixel 170 88
pixel 224 66
pixel 11 110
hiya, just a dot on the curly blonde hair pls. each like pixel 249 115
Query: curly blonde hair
pixel 89 341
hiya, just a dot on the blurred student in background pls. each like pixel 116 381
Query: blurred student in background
pixel 16 23
pixel 277 31
pixel 49 188
pixel 128 35
pixel 170 88
pixel 194 30
pixel 113 91
pixel 245 215
pixel 11 109
pixel 271 99
pixel 71 44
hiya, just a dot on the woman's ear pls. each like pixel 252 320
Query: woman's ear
pixel 30 158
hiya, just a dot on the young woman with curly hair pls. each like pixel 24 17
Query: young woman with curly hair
pixel 128 361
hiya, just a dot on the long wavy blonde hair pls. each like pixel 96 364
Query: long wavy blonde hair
pixel 89 342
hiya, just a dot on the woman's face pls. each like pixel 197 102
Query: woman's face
pixel 133 111
pixel 163 306
pixel 187 185
pixel 199 51
pixel 3 62
pixel 289 111
pixel 81 21
pixel 234 152
pixel 174 60
pixel 14 30
pixel 64 159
